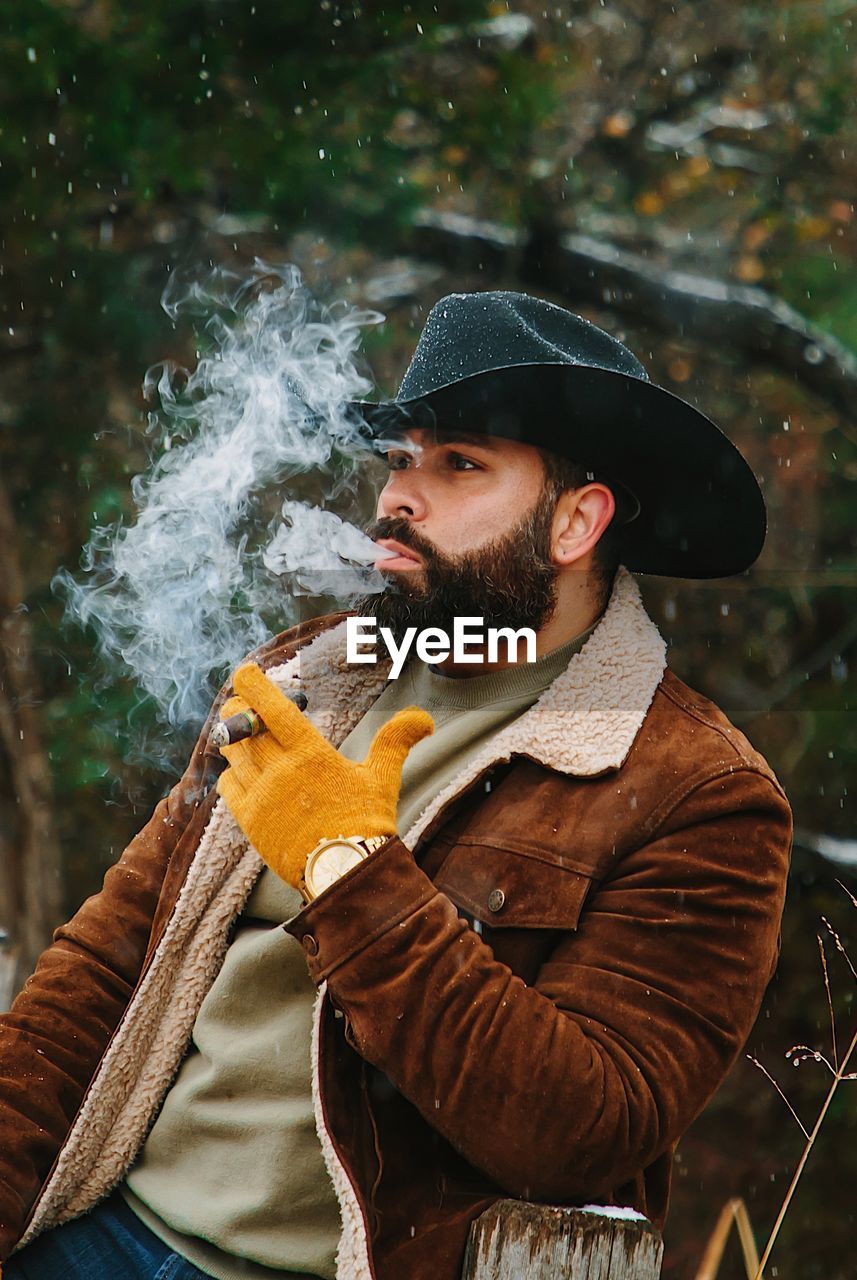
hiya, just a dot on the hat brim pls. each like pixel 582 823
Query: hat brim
pixel 702 514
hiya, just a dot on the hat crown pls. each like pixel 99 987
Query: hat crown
pixel 473 333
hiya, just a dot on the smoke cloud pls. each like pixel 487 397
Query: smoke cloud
pixel 208 569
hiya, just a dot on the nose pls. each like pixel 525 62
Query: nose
pixel 403 495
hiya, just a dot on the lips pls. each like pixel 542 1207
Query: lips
pixel 401 557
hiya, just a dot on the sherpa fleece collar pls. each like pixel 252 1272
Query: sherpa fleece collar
pixel 583 724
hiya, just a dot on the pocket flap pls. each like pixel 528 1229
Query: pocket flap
pixel 508 889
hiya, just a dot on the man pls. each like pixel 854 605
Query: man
pixel 540 933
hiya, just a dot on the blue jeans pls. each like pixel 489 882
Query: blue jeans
pixel 110 1243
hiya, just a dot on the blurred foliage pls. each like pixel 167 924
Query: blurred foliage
pixel 719 140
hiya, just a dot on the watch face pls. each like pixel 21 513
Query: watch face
pixel 330 864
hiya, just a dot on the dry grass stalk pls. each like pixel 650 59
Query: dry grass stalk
pixel 838 1070
pixel 838 1077
pixel 733 1214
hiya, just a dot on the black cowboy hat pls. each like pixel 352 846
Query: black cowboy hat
pixel 510 365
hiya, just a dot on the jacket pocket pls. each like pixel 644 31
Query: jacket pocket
pixel 511 889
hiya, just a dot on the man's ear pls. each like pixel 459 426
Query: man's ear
pixel 580 518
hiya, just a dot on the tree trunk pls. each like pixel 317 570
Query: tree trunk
pixel 30 874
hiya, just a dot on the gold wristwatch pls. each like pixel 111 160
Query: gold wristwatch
pixel 331 859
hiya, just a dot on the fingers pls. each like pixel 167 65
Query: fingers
pixel 279 713
pixel 251 756
pixel 231 707
pixel 395 739
pixel 249 762
pixel 230 788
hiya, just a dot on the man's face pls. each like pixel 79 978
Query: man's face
pixel 470 519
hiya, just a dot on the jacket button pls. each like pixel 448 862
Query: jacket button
pixel 496 898
pixel 310 944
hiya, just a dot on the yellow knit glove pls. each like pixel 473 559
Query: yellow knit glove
pixel 289 788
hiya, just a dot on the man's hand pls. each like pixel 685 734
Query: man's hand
pixel 289 788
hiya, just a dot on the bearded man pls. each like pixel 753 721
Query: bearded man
pixel 327 1011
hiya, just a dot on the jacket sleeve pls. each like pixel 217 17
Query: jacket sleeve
pixel 54 1036
pixel 58 1028
pixel 569 1087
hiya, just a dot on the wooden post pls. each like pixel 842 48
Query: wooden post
pixel 516 1240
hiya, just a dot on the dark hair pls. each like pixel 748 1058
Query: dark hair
pixel 562 474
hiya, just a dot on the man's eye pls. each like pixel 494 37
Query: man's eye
pixel 399 461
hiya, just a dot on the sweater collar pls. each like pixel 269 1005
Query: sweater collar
pixel 583 724
pixel 467 693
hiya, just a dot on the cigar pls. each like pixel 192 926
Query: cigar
pixel 247 724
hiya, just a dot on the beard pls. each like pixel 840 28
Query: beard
pixel 509 582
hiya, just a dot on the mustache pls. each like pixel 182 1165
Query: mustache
pixel 401 530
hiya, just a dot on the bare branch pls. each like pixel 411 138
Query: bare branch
pixel 810 1143
pixel 748 320
pixel 821 952
pixel 765 1072
pixel 799 1053
pixel 848 891
pixel 839 945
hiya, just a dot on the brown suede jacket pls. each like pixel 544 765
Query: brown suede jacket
pixel 532 992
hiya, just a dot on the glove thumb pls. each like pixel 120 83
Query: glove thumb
pixel 395 739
